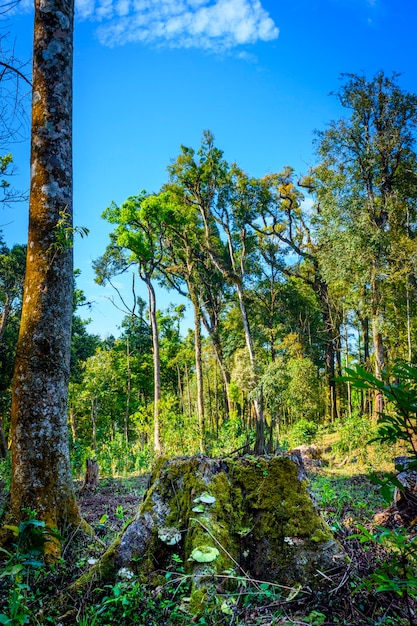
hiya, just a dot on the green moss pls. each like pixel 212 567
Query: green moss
pixel 321 535
pixel 262 520
pixel 198 601
pixel 272 485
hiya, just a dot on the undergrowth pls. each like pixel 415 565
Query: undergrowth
pixel 347 501
pixel 377 588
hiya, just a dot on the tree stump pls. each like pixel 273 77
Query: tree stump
pixel 249 516
pixel 91 475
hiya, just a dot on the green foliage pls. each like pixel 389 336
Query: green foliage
pixel 6 162
pixel 303 432
pixel 21 564
pixel 231 435
pixel 304 392
pixel 399 388
pixel 114 457
pixel 354 434
pixel 130 602
pixel 398 572
pixel 338 496
pixel 8 194
pixel 291 385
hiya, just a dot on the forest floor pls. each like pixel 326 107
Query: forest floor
pixel 113 503
pixel 348 499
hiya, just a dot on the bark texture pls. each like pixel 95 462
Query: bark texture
pixel 41 474
pixel 91 480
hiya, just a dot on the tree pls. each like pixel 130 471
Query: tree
pixel 284 219
pixel 41 473
pixel 226 199
pixel 181 230
pixel 12 274
pixel 372 152
pixel 138 231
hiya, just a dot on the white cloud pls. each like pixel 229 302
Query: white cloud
pixel 214 25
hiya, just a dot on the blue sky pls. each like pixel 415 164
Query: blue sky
pixel 150 75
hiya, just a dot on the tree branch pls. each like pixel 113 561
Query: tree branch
pixel 16 71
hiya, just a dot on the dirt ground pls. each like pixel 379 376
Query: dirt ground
pixel 113 503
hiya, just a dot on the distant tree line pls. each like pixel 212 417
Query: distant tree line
pixel 290 280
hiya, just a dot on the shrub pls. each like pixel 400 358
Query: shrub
pixel 354 433
pixel 303 432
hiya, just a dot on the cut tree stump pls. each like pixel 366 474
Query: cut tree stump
pixel 91 475
pixel 403 511
pixel 250 516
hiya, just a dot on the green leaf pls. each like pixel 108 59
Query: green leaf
pixel 13 570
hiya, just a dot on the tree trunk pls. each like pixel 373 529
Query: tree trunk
pixel 348 385
pixel 379 352
pixel 128 393
pixel 409 343
pixel 180 389
pixel 366 399
pixel 156 366
pixel 330 369
pixel 187 378
pixel 198 367
pixel 251 515
pixel 215 340
pixel 71 417
pixel 91 475
pixel 93 415
pixel 260 447
pixel 41 473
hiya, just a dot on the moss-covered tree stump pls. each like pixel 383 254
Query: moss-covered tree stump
pixel 253 516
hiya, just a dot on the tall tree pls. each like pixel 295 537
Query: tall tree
pixel 182 243
pixel 137 240
pixel 41 473
pixel 372 151
pixel 225 197
pixel 284 219
pixel 12 274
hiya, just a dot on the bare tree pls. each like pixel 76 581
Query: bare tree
pixel 15 89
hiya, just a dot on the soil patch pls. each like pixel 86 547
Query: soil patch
pixel 113 503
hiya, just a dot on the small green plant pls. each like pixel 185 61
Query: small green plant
pixel 398 573
pixel 17 611
pixel 315 618
pixel 120 512
pixel 304 432
pixel 31 536
pixel 65 231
